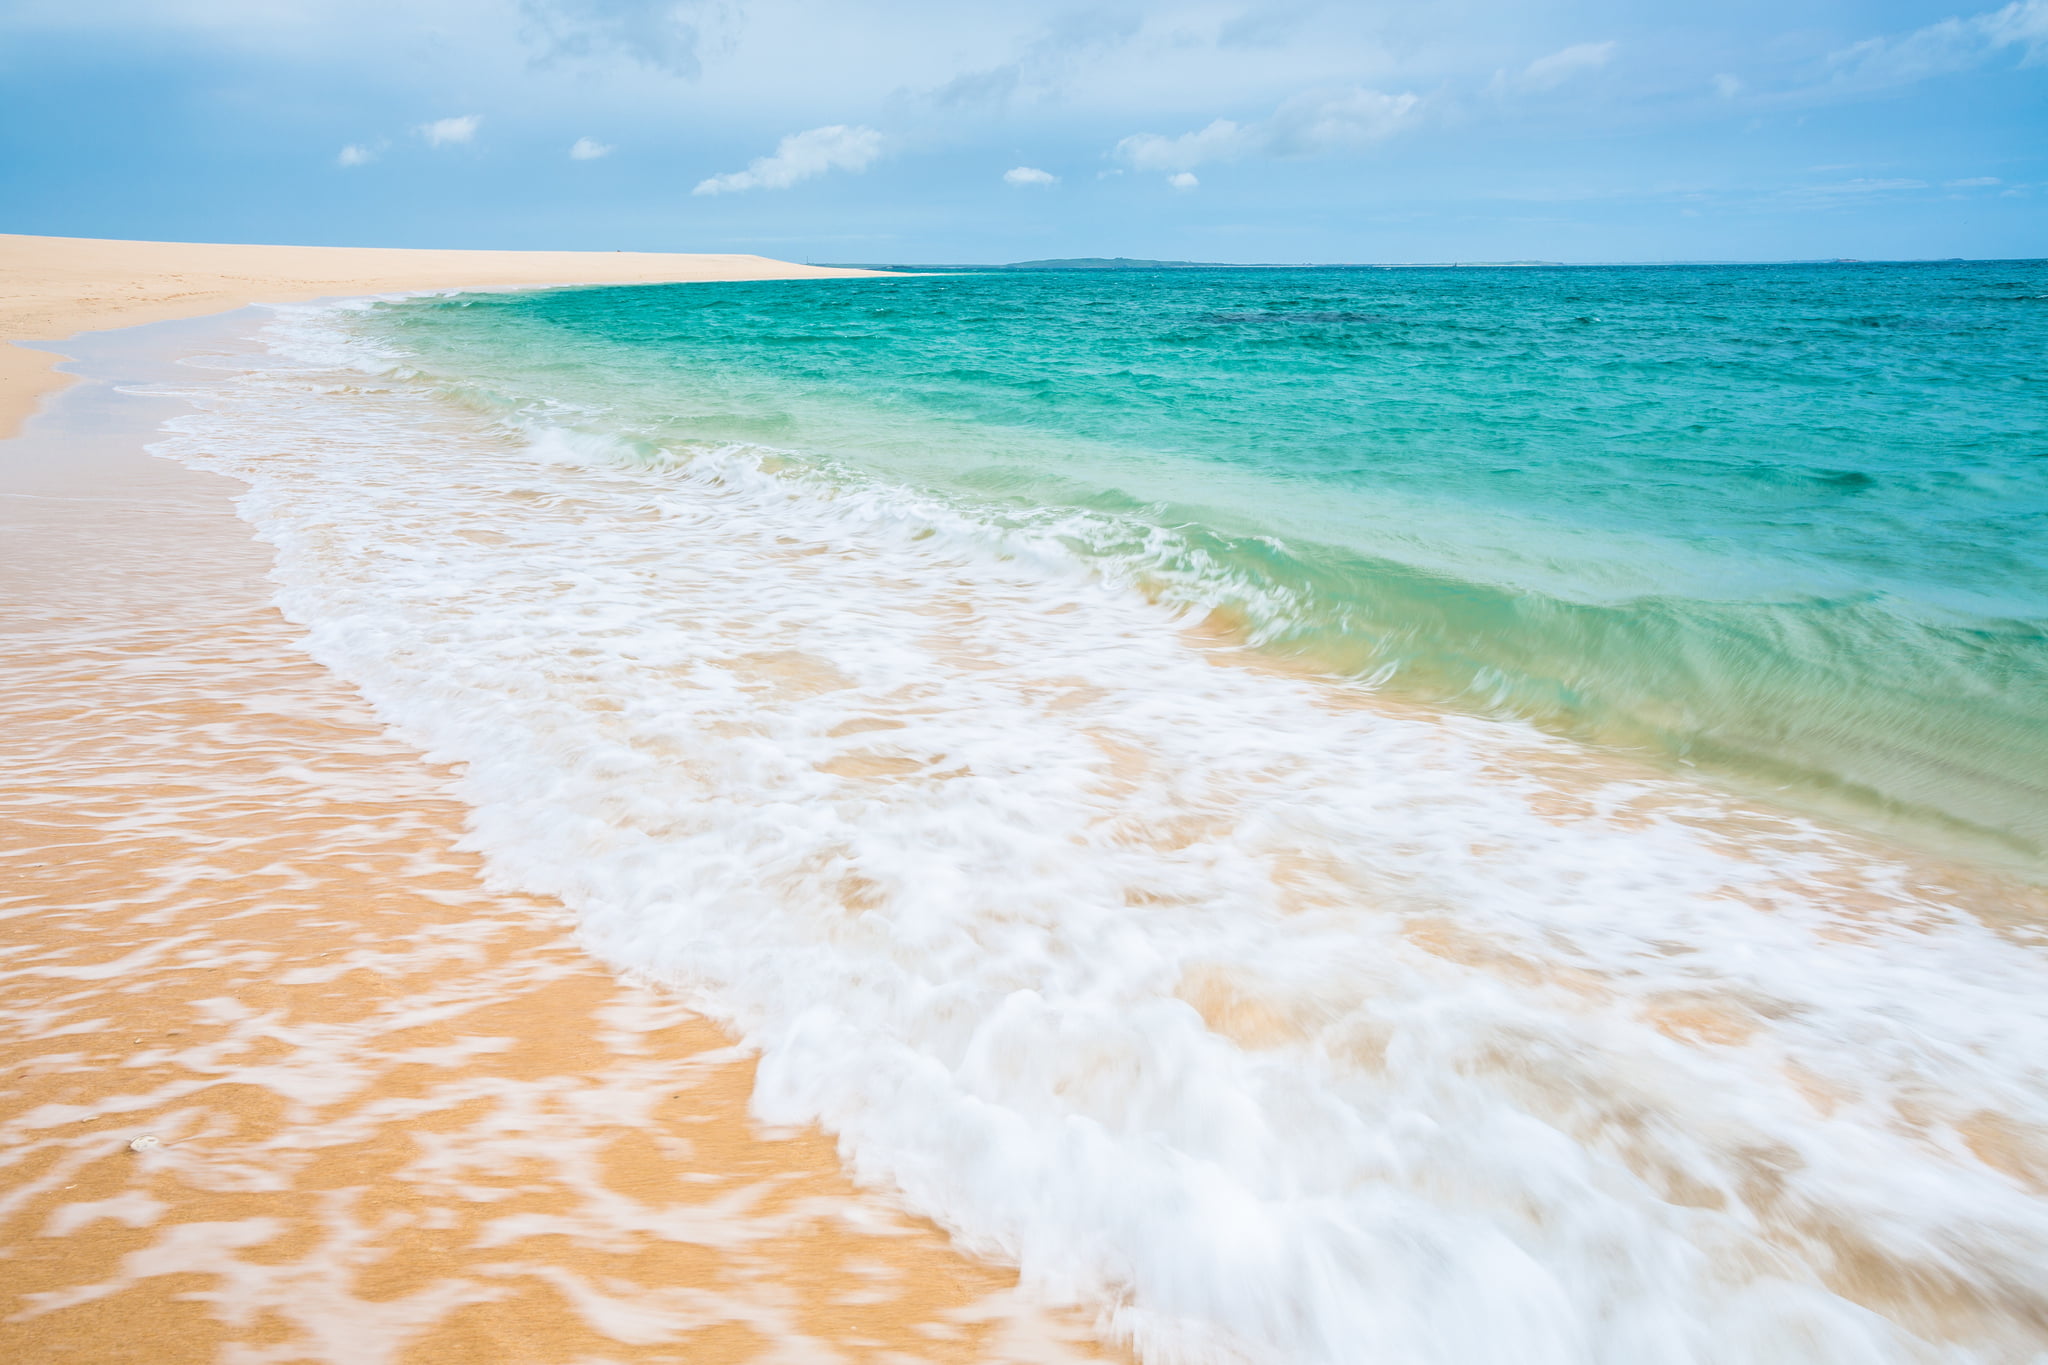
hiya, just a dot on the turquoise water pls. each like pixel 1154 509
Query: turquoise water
pixel 823 648
pixel 1782 524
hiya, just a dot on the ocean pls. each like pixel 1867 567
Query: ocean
pixel 1466 815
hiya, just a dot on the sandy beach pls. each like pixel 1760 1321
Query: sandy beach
pixel 53 287
pixel 1363 685
pixel 287 1081
pixel 425 720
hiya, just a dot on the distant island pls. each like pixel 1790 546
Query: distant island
pixel 1112 263
pixel 1133 263
pixel 1079 263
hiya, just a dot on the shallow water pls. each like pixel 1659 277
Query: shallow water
pixel 1780 523
pixel 1268 1016
pixel 397 1116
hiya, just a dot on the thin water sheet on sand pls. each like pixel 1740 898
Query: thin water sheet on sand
pixel 1271 1018
pixel 1276 1020
pixel 398 1116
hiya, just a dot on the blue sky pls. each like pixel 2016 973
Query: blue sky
pixel 914 131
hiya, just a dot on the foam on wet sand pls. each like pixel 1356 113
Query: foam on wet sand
pixel 1260 1016
pixel 398 1115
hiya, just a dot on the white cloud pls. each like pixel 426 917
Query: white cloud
pixel 667 35
pixel 1184 180
pixel 1547 73
pixel 1067 40
pixel 799 157
pixel 1319 121
pixel 1220 141
pixel 356 154
pixel 1944 48
pixel 443 131
pixel 1312 123
pixel 588 149
pixel 1029 175
pixel 1973 183
pixel 2019 24
pixel 1727 86
pixel 1863 185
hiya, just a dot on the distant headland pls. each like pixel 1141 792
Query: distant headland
pixel 1130 263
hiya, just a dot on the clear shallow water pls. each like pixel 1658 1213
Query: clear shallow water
pixel 1781 522
pixel 1275 1021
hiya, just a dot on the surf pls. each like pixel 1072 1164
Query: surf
pixel 1269 1015
pixel 1662 511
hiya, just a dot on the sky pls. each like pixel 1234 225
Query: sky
pixel 916 131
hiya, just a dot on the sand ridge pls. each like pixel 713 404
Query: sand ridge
pixel 52 287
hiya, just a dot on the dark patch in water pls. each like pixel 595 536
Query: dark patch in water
pixel 1318 317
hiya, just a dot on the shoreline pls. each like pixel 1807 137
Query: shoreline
pixel 399 1116
pixel 52 288
pixel 386 1093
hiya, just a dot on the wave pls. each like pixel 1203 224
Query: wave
pixel 1278 1022
pixel 1842 615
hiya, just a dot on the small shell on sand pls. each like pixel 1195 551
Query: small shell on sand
pixel 145 1142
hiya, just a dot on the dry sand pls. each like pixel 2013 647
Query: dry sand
pixel 398 1116
pixel 52 287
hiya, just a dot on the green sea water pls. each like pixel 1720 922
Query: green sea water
pixel 1784 525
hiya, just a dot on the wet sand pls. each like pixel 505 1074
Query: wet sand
pixel 397 1115
pixel 400 1116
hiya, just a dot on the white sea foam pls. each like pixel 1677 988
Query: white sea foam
pixel 1282 1027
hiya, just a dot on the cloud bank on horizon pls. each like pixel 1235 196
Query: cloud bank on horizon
pixel 857 131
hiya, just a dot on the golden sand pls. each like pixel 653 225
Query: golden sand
pixel 52 287
pixel 384 1113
